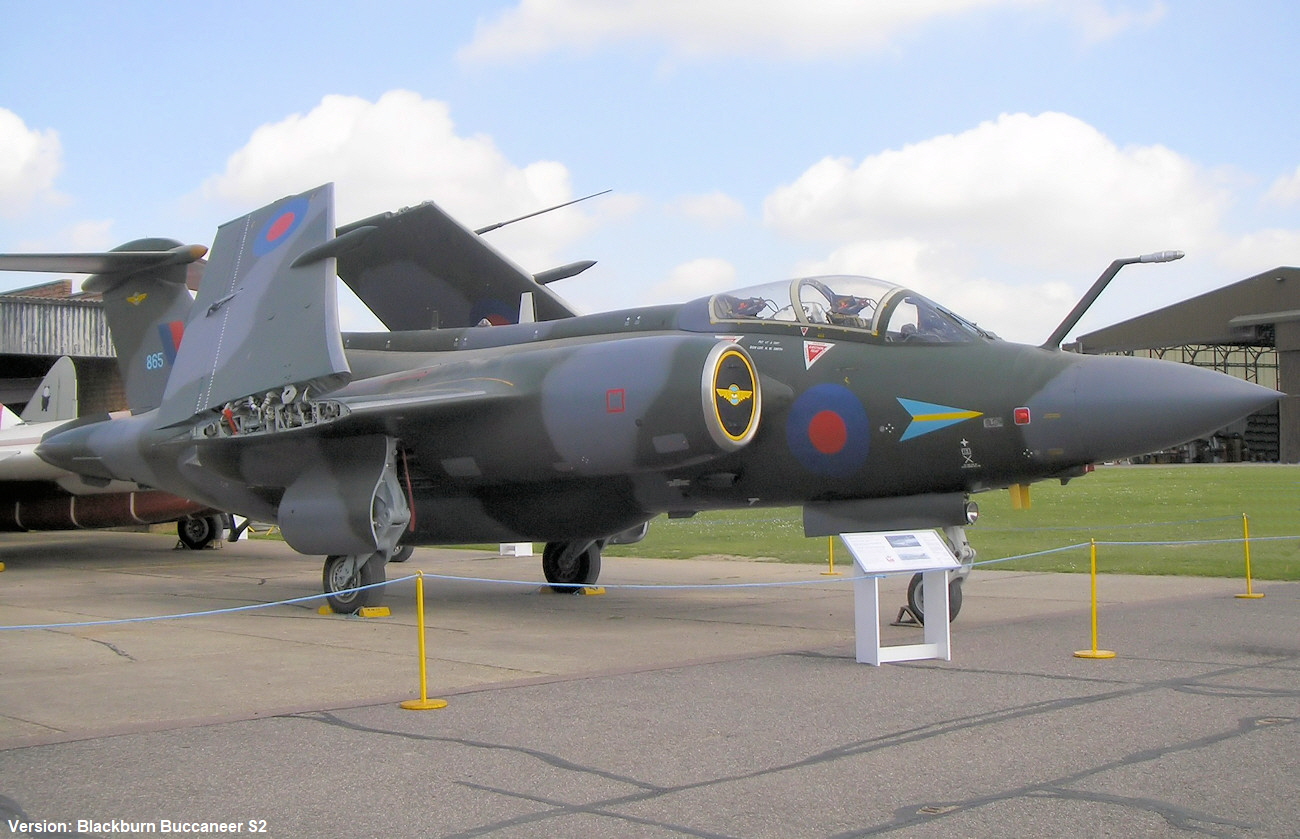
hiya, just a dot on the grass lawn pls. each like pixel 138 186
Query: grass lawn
pixel 1120 504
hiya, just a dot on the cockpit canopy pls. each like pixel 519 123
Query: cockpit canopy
pixel 883 310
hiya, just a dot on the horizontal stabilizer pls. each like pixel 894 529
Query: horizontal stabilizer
pixel 121 263
pixel 259 323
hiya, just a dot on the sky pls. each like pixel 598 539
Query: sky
pixel 994 155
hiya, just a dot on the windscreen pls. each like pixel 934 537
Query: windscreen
pixel 883 310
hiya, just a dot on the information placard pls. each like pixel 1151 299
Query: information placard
pixel 899 551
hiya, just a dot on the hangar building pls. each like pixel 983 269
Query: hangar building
pixel 41 323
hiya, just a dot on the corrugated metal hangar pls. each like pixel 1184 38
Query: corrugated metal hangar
pixel 1250 329
pixel 41 323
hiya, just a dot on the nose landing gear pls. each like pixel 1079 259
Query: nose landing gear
pixel 965 554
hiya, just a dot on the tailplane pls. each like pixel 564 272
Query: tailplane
pixel 146 304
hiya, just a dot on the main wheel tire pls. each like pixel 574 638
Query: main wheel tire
pixel 197 533
pixel 916 599
pixel 335 578
pixel 568 575
pixel 403 553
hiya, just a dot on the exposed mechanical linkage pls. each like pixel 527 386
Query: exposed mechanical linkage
pixel 282 411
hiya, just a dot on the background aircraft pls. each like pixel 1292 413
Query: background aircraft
pixel 35 495
pixel 515 419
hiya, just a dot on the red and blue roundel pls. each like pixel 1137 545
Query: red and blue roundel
pixel 279 228
pixel 828 431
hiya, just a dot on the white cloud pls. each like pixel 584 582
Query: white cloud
pixel 714 209
pixel 696 278
pixel 1285 191
pixel 1254 253
pixel 1000 220
pixel 1038 191
pixel 1019 312
pixel 710 27
pixel 30 160
pixel 400 151
pixel 1098 23
pixel 90 236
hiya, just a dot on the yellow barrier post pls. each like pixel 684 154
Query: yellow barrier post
pixel 1094 652
pixel 424 703
pixel 1245 530
pixel 830 552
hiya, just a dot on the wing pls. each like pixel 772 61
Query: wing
pixel 266 315
pixel 422 269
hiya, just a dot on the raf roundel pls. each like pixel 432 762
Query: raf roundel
pixel 828 431
pixel 279 228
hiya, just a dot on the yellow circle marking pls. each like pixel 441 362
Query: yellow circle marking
pixel 734 394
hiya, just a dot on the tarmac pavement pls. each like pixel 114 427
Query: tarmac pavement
pixel 712 711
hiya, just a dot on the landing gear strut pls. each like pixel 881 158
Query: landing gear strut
pixel 956 537
pixel 569 566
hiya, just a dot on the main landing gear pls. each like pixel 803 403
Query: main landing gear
pixel 342 573
pixel 347 572
pixel 569 566
pixel 956 537
pixel 197 533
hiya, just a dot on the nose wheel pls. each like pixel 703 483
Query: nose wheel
pixel 916 598
pixel 965 554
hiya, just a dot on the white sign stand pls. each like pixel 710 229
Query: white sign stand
pixel 901 552
pixel 516 548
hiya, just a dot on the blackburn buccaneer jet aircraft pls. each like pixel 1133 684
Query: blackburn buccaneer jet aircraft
pixel 497 414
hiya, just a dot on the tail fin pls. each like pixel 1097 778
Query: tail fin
pixel 145 301
pixel 56 396
pixel 266 315
pixel 146 311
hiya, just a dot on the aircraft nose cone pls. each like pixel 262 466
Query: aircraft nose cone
pixel 71 450
pixel 1108 407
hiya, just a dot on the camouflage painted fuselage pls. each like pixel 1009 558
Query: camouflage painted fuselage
pixel 598 423
pixel 864 402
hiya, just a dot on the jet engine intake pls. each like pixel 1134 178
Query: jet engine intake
pixel 651 403
pixel 732 399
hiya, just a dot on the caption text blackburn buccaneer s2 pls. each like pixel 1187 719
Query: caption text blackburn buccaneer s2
pixel 492 412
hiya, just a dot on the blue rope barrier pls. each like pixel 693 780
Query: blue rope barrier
pixel 618 586
pixel 210 612
pixel 1108 527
